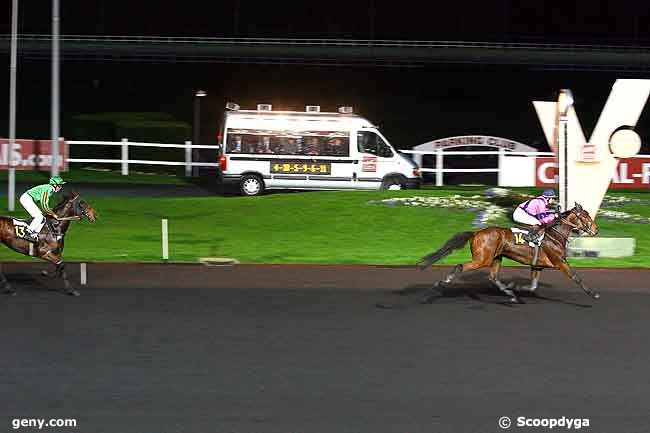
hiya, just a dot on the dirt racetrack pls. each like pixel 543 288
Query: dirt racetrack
pixel 353 277
pixel 277 349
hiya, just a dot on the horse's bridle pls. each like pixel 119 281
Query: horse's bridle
pixel 584 227
pixel 84 212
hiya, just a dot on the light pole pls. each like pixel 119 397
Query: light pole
pixel 564 104
pixel 55 87
pixel 8 151
pixel 196 127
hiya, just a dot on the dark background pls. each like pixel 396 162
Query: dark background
pixel 411 104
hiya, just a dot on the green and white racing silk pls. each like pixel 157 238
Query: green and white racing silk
pixel 42 195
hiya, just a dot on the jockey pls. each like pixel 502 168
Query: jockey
pixel 36 201
pixel 535 212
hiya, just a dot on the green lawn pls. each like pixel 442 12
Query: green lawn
pixel 310 227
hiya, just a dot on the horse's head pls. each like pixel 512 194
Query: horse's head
pixel 74 206
pixel 581 219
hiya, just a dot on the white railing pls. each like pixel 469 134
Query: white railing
pixel 124 161
pixel 439 168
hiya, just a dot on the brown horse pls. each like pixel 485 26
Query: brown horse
pixel 490 245
pixel 50 240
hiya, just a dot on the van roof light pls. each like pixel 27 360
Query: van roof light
pixel 346 110
pixel 264 107
pixel 232 106
pixel 312 108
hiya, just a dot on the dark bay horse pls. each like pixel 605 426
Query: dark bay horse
pixel 51 238
pixel 490 245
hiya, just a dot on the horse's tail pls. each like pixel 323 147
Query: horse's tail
pixel 455 242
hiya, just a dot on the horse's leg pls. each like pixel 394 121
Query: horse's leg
pixel 494 277
pixel 450 277
pixel 479 260
pixel 562 265
pixel 60 271
pixel 7 289
pixel 534 280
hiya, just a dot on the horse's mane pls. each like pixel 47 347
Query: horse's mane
pixel 64 199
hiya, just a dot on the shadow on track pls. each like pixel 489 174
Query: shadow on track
pixel 421 294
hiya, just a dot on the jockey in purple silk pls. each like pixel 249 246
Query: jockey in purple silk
pixel 535 213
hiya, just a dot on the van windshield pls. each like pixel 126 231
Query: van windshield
pixel 369 142
pixel 312 143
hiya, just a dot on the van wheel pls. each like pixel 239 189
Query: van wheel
pixel 251 185
pixel 393 182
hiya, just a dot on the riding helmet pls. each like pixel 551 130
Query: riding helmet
pixel 56 181
pixel 549 193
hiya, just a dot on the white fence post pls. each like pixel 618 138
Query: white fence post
pixel 501 165
pixel 188 158
pixel 84 276
pixel 165 241
pixel 125 157
pixel 439 167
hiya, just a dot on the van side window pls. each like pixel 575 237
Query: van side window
pixel 369 142
pixel 234 144
pixel 311 143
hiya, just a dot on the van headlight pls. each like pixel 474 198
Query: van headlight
pixel 416 172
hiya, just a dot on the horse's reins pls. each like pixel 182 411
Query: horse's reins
pixel 570 224
pixel 74 217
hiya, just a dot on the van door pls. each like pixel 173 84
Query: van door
pixel 376 159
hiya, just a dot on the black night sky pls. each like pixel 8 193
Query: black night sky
pixel 411 104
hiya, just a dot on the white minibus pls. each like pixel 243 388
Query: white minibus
pixel 265 149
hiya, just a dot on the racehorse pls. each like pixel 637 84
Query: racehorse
pixel 51 238
pixel 491 244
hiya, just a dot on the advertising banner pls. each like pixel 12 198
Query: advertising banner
pixel 630 173
pixel 32 155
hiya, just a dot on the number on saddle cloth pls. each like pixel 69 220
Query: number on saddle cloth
pixel 20 227
pixel 519 236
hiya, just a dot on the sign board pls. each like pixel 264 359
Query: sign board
pixel 475 140
pixel 629 173
pixel 589 165
pixel 33 155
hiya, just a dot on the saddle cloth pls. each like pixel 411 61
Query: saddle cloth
pixel 18 222
pixel 20 226
pixel 519 240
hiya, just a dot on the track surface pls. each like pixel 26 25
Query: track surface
pixel 172 348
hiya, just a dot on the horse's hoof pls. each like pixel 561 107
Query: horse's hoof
pixel 516 300
pixel 9 292
pixel 72 293
pixel 45 273
pixel 510 285
pixel 596 296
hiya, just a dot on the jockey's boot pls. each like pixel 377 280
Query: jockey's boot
pixel 533 234
pixel 31 236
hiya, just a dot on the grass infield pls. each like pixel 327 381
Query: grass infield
pixel 334 227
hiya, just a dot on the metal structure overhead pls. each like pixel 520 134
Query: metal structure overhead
pixel 332 52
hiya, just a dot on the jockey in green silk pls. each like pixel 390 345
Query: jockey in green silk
pixel 36 201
